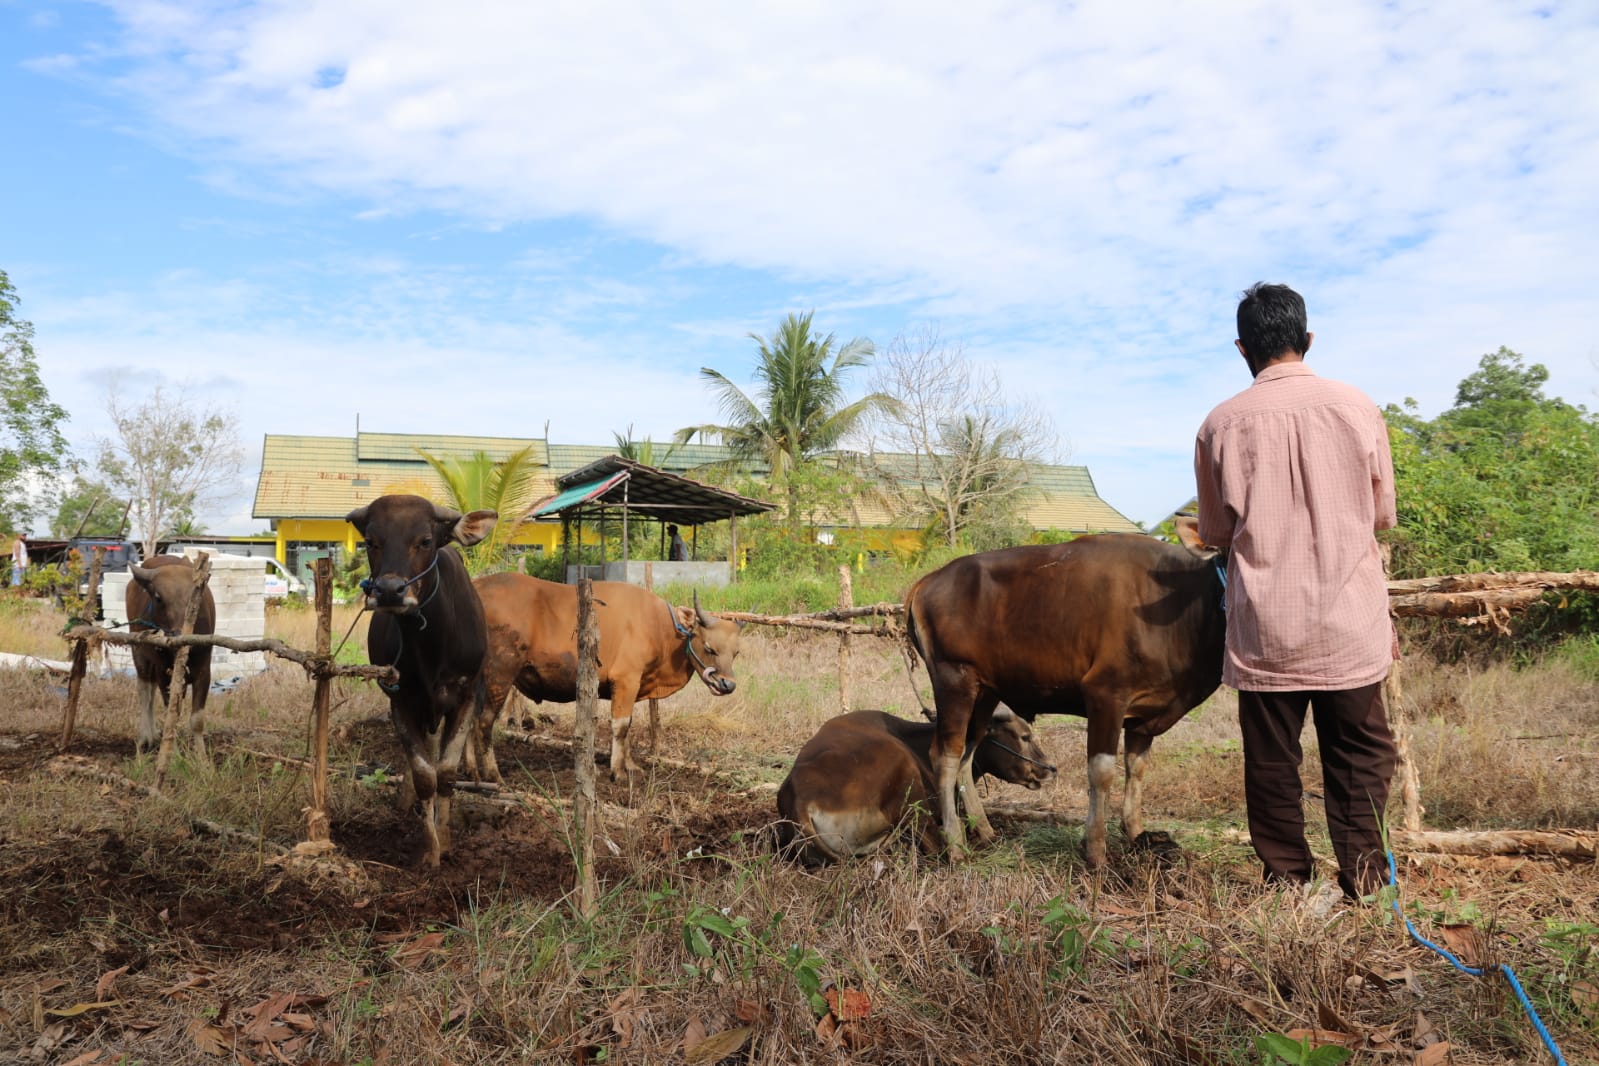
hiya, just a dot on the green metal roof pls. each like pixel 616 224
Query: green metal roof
pixel 406 447
pixel 575 495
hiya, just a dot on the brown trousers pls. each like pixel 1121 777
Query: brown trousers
pixel 1357 762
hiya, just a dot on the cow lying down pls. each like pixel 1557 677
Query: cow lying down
pixel 864 773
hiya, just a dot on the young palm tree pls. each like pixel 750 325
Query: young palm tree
pixel 644 451
pixel 799 407
pixel 476 483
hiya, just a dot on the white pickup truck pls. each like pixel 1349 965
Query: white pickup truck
pixel 279 582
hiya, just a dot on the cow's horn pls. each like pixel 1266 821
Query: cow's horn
pixel 143 575
pixel 699 612
pixel 446 514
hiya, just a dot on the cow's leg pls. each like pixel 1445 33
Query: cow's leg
pixel 454 733
pixel 1135 745
pixel 953 694
pixel 622 698
pixel 200 682
pixel 982 714
pixel 149 735
pixel 479 752
pixel 419 772
pixel 1104 728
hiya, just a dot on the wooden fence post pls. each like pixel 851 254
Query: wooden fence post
pixel 846 600
pixel 180 681
pixel 316 821
pixel 655 705
pixel 588 700
pixel 1393 698
pixel 80 653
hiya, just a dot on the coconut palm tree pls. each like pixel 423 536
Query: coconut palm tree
pixel 799 407
pixel 478 483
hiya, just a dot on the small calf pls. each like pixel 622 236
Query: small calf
pixel 865 772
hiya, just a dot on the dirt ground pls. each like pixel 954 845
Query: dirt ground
pixel 131 932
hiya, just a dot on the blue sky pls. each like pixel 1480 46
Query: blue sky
pixel 487 217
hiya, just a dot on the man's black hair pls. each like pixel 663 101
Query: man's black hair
pixel 1271 321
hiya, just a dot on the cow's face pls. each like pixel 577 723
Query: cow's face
pixel 1011 752
pixel 169 589
pixel 403 537
pixel 712 647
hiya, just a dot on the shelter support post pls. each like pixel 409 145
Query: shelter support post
pixel 626 554
pixel 732 536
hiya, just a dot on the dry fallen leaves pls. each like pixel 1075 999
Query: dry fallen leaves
pixel 82 1008
pixel 719 1046
pixel 211 1039
pixel 102 987
pixel 848 1005
pixel 1433 1055
pixel 624 1011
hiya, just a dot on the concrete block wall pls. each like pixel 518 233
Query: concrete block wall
pixel 237 585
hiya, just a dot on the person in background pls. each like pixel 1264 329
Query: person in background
pixel 1295 476
pixel 677 551
pixel 19 560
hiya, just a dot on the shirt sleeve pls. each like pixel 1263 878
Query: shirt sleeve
pixel 1382 479
pixel 1215 518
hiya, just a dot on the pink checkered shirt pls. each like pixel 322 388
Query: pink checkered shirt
pixel 1295 475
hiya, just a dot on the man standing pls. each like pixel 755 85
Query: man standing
pixel 19 560
pixel 1295 476
pixel 677 551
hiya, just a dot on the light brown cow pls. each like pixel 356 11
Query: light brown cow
pixel 157 600
pixel 648 651
pixel 864 773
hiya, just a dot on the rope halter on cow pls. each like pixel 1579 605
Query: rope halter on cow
pixel 368 584
pixel 705 670
pixel 1024 758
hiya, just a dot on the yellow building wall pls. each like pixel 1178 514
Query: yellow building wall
pixel 338 531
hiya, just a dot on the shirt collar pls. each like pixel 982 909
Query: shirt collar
pixel 1284 370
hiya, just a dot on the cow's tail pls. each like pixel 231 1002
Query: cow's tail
pixel 913 649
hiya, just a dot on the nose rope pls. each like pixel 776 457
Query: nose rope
pixel 368 584
pixel 1019 755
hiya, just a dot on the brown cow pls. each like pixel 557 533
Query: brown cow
pixel 428 623
pixel 865 772
pixel 157 600
pixel 648 651
pixel 1123 629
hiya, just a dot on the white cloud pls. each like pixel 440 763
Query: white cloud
pixel 1086 187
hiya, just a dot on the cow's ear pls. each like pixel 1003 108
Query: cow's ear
pixel 357 518
pixel 469 529
pixel 1187 527
pixel 685 617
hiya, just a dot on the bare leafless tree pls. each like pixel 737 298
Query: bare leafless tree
pixel 955 448
pixel 169 457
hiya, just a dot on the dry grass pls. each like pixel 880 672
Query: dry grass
pixel 1020 955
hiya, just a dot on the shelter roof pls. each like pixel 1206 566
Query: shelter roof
pixel 613 481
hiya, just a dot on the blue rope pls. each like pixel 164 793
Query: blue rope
pixel 1475 971
pixel 1221 572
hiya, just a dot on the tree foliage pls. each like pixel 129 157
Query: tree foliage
pixel 959 448
pixel 800 408
pixel 30 425
pixel 89 508
pixel 170 457
pixel 479 483
pixel 1503 480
